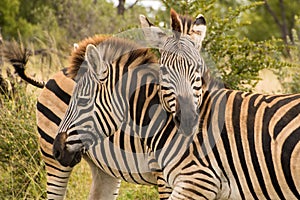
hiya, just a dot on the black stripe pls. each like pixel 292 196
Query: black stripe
pixel 250 130
pixel 112 150
pixel 174 167
pixel 45 136
pixel 153 139
pixel 62 95
pixel 60 177
pixel 266 141
pixel 221 124
pixel 199 186
pixel 287 150
pixel 58 186
pixel 133 150
pixel 58 169
pixel 226 143
pixel 290 115
pixel 170 148
pixel 104 156
pixel 52 193
pixel 100 122
pixel 48 113
pixel 237 108
pixel 198 194
pixel 47 155
pixel 124 153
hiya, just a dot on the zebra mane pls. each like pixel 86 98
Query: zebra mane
pixel 77 55
pixel 112 48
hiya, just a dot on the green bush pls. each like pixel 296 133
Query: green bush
pixel 232 57
pixel 290 76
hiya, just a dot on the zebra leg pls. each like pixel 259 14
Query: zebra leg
pixel 164 189
pixel 57 175
pixel 195 187
pixel 57 179
pixel 104 186
pixel 185 191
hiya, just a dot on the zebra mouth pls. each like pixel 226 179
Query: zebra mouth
pixel 76 159
pixel 60 152
pixel 68 159
pixel 186 126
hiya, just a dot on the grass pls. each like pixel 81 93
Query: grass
pixel 21 169
pixel 80 180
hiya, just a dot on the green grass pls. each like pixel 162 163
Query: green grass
pixel 21 168
pixel 22 174
pixel 79 186
pixel 137 192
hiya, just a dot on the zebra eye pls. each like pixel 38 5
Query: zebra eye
pixel 163 70
pixel 83 101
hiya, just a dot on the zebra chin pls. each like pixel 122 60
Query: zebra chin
pixel 187 126
pixel 60 152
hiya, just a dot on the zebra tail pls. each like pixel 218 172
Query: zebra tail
pixel 18 57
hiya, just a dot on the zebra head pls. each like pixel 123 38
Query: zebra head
pixel 181 67
pixel 77 131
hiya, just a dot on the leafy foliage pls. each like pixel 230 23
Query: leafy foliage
pixel 232 57
pixel 67 21
pixel 289 76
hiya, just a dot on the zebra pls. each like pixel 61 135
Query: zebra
pixel 51 107
pixel 178 102
pixel 246 145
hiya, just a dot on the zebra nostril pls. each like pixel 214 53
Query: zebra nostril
pixel 57 154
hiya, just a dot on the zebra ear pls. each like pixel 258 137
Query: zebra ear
pixel 95 61
pixel 199 30
pixel 154 35
pixel 176 23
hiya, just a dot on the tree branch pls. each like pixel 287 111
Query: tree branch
pixel 121 7
pixel 284 28
pixel 131 6
pixel 272 13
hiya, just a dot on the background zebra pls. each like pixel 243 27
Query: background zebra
pixel 180 101
pixel 51 106
pixel 247 144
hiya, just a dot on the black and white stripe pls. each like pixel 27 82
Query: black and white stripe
pixel 246 145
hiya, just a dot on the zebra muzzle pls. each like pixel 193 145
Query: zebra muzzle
pixel 61 153
pixel 186 118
